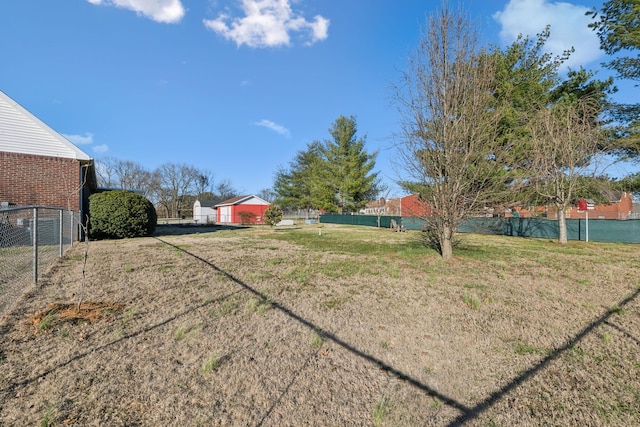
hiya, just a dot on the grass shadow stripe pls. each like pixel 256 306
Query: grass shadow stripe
pixel 336 340
pixel 102 347
pixel 520 379
pixel 623 332
pixel 284 392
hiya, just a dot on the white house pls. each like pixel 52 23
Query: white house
pixel 204 212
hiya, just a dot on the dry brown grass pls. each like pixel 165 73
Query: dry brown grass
pixel 355 327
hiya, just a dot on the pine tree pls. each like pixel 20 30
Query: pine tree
pixel 335 176
pixel 350 167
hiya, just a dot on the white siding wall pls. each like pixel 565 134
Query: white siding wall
pixel 204 215
pixel 22 132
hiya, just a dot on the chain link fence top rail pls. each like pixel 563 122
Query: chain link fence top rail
pixel 31 238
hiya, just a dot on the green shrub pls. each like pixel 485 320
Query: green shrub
pixel 120 214
pixel 247 217
pixel 273 215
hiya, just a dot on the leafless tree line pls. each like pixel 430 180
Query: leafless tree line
pixel 171 187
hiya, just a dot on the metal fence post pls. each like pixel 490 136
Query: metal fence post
pixel 71 224
pixel 61 232
pixel 35 245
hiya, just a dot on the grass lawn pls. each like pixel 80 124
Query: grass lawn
pixel 350 326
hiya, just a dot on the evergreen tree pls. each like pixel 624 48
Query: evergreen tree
pixel 273 215
pixel 334 176
pixel 618 27
pixel 303 185
pixel 349 167
pixel 524 78
pixel 551 129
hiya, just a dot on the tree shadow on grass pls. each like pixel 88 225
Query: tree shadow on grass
pixel 331 337
pixel 623 332
pixel 466 413
pixel 478 409
pixel 80 356
pixel 191 228
pixel 284 392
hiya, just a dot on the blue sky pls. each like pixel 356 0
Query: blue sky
pixel 238 87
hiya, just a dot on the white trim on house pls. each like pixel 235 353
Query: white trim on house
pixel 243 200
pixel 22 132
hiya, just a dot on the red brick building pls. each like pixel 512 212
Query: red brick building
pixel 620 206
pixel 407 206
pixel 38 166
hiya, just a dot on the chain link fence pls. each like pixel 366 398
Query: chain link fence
pixel 31 238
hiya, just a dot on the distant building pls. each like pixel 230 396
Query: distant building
pixel 205 212
pixel 233 210
pixel 620 206
pixel 406 206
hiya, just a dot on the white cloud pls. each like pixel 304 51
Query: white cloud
pixel 268 23
pixel 568 27
pixel 165 11
pixel 273 126
pixel 85 139
pixel 102 148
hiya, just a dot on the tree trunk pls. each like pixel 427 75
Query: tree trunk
pixel 562 225
pixel 446 249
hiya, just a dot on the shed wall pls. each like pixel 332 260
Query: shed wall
pixel 257 210
pixel 204 215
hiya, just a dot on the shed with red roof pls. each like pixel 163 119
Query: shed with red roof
pixel 242 210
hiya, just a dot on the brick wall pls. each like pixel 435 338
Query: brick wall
pixel 622 209
pixel 27 179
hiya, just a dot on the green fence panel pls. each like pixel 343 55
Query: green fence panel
pixel 517 227
pixel 414 224
pixel 367 220
pixel 610 230
pixel 600 230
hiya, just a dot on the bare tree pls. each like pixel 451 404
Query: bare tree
pixel 204 183
pixel 449 124
pixel 106 172
pixel 171 187
pixel 172 184
pixel 267 194
pixel 133 177
pixel 224 190
pixel 565 141
pixel 124 175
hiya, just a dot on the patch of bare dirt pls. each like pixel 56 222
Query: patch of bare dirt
pixel 56 315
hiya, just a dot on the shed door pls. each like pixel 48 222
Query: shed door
pixel 225 214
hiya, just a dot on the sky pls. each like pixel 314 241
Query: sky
pixel 238 87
